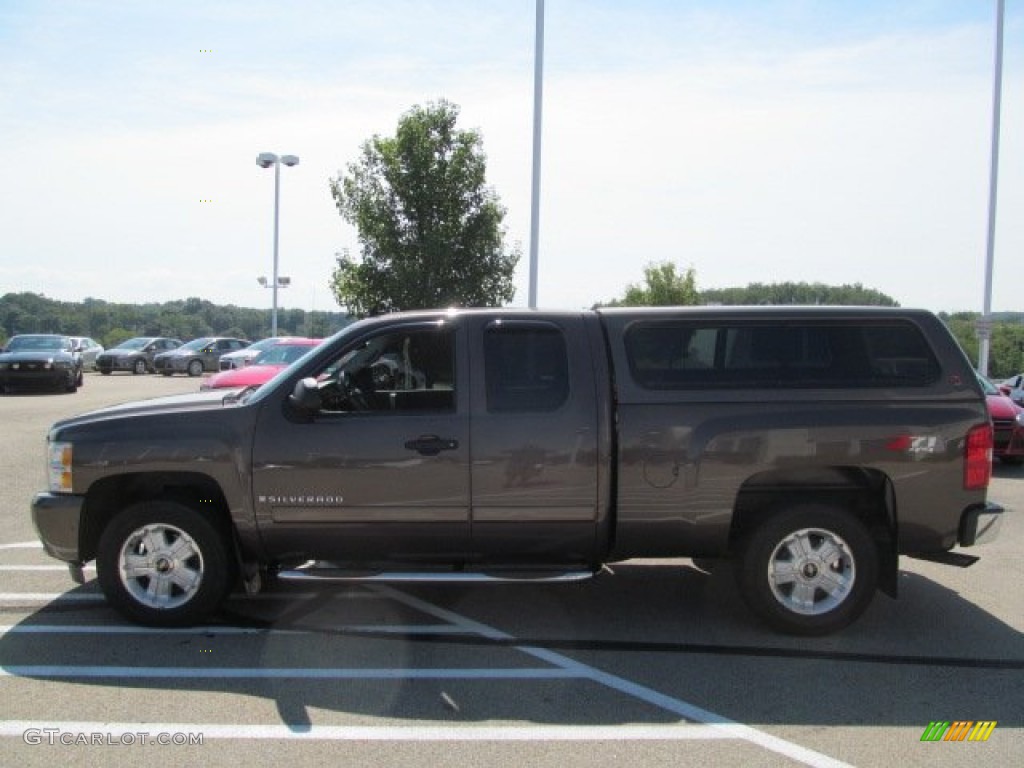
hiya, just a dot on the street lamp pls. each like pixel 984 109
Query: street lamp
pixel 265 160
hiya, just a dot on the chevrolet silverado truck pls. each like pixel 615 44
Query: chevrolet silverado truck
pixel 808 447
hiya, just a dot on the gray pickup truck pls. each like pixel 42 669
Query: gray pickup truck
pixel 810 447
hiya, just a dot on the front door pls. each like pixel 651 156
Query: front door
pixel 381 473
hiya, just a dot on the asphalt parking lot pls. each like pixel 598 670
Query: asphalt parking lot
pixel 657 664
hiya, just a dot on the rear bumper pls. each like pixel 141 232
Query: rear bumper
pixel 981 524
pixel 57 518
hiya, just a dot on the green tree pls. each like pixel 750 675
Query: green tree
pixel 430 230
pixel 799 293
pixel 662 287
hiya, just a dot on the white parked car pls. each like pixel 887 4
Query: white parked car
pixel 1014 388
pixel 88 349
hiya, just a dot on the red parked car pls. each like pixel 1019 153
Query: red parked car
pixel 263 368
pixel 1008 420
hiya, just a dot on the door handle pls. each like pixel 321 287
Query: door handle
pixel 431 445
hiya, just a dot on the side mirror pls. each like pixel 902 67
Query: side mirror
pixel 305 398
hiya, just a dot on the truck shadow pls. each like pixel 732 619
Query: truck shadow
pixel 467 654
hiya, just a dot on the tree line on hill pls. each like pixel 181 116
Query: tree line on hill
pixel 186 319
pixel 111 323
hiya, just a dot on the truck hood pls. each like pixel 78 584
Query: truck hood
pixel 159 406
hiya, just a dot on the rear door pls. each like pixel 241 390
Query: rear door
pixel 535 461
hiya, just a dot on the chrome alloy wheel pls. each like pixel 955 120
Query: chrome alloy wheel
pixel 811 571
pixel 161 566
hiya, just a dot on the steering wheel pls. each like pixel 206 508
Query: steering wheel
pixel 339 393
pixel 383 377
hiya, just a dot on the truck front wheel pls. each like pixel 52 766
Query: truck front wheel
pixel 163 564
pixel 810 570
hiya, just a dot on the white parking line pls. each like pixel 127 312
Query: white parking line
pixel 539 733
pixel 50 597
pixel 677 706
pixel 708 724
pixel 22 545
pixel 61 568
pixel 213 631
pixel 68 671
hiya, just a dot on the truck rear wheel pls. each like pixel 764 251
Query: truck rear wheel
pixel 810 570
pixel 163 564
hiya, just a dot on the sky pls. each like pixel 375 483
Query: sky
pixel 750 140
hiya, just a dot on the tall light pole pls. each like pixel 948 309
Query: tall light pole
pixel 538 101
pixel 985 326
pixel 265 160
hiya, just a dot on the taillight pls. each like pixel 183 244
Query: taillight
pixel 978 458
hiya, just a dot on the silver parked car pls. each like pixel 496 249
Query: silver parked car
pixel 135 355
pixel 197 356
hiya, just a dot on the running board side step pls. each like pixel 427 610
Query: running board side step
pixel 958 559
pixel 436 577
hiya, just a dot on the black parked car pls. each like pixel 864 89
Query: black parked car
pixel 197 356
pixel 135 355
pixel 40 360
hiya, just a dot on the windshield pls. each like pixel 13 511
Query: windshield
pixel 136 343
pixel 43 343
pixel 282 354
pixel 988 387
pixel 196 344
pixel 259 346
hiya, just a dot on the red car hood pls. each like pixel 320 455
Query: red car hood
pixel 253 375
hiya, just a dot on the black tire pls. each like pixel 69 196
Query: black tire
pixel 104 371
pixel 810 570
pixel 139 367
pixel 71 385
pixel 174 545
pixel 195 368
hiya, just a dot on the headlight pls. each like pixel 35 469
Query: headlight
pixel 62 365
pixel 58 467
pixel 1020 419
